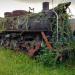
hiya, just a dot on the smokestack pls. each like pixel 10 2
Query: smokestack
pixel 45 6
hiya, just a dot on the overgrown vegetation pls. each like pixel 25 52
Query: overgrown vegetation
pixel 57 55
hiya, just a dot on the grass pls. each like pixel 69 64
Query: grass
pixel 12 63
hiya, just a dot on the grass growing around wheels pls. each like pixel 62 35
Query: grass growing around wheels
pixel 12 63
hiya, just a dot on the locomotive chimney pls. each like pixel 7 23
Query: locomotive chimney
pixel 45 6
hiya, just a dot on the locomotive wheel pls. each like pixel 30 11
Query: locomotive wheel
pixel 2 42
pixel 6 43
pixel 13 44
pixel 30 46
pixel 25 46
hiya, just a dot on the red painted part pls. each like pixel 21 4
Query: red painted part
pixel 32 51
pixel 15 13
pixel 46 40
pixel 19 12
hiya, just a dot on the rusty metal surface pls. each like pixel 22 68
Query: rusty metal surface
pixel 15 13
pixel 46 40
pixel 32 51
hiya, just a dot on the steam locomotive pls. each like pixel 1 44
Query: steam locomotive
pixel 27 30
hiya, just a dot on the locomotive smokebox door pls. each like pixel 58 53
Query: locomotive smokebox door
pixel 45 6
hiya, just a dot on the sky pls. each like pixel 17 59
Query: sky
pixel 10 5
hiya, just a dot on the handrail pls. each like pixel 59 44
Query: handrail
pixel 57 24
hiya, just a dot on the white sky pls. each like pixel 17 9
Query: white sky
pixel 10 5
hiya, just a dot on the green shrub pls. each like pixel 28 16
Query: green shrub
pixel 52 57
pixel 46 57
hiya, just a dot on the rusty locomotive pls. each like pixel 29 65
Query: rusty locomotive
pixel 27 30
